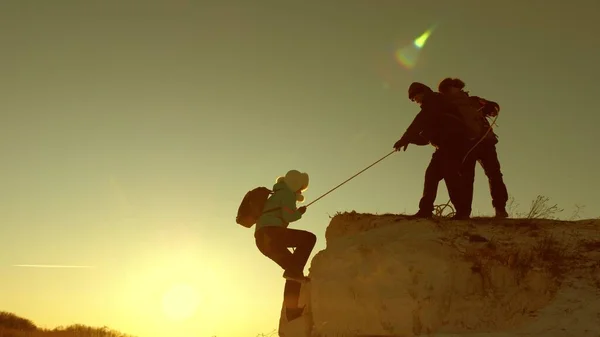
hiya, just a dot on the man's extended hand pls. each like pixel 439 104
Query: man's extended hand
pixel 402 143
pixel 302 209
pixel 490 109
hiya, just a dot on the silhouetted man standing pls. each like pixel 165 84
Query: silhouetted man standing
pixel 438 124
pixel 483 149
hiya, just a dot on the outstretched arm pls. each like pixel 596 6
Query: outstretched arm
pixel 413 132
pixel 419 140
pixel 412 135
pixel 489 108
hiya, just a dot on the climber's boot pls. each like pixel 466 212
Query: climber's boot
pixel 295 275
pixel 459 216
pixel 293 313
pixel 421 215
pixel 501 213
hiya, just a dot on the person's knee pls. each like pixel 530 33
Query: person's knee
pixel 312 238
pixel 493 173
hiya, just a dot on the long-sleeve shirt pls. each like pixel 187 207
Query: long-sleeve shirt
pixel 283 206
pixel 437 122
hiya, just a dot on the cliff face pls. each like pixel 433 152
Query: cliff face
pixel 389 276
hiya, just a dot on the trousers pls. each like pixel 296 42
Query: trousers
pixel 487 156
pixel 485 153
pixel 273 242
pixel 449 164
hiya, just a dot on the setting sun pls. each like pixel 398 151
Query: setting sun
pixel 180 302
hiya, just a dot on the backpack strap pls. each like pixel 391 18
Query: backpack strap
pixel 272 209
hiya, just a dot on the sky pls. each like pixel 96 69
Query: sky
pixel 131 130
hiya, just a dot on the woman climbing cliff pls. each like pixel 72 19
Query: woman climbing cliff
pixel 272 235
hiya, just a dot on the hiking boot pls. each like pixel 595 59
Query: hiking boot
pixel 293 313
pixel 293 275
pixel 460 217
pixel 421 215
pixel 501 213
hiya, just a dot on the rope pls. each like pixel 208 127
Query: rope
pixel 347 180
pixel 482 138
pixel 389 154
pixel 439 210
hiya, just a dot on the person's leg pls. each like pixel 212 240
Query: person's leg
pixel 303 242
pixel 268 244
pixel 291 297
pixel 433 176
pixel 491 166
pixel 451 165
pixel 275 242
pixel 467 172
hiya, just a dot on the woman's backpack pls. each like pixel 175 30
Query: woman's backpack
pixel 252 206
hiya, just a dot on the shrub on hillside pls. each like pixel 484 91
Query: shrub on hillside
pixel 12 325
pixel 80 330
pixel 11 321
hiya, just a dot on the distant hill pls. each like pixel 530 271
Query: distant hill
pixel 12 325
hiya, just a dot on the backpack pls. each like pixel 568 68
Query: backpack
pixel 251 207
pixel 469 111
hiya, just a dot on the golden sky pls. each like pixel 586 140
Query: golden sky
pixel 130 131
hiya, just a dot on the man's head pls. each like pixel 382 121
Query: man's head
pixel 416 92
pixel 451 85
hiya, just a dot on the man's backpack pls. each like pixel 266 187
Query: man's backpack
pixel 252 206
pixel 469 111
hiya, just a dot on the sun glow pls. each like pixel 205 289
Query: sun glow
pixel 180 302
pixel 179 286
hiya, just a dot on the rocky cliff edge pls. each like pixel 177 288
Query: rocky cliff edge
pixel 387 275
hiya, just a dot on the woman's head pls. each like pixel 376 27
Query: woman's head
pixel 297 182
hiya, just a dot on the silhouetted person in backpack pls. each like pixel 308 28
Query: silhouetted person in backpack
pixel 273 237
pixel 483 148
pixel 439 123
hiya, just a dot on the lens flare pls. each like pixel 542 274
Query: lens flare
pixel 408 55
pixel 420 41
